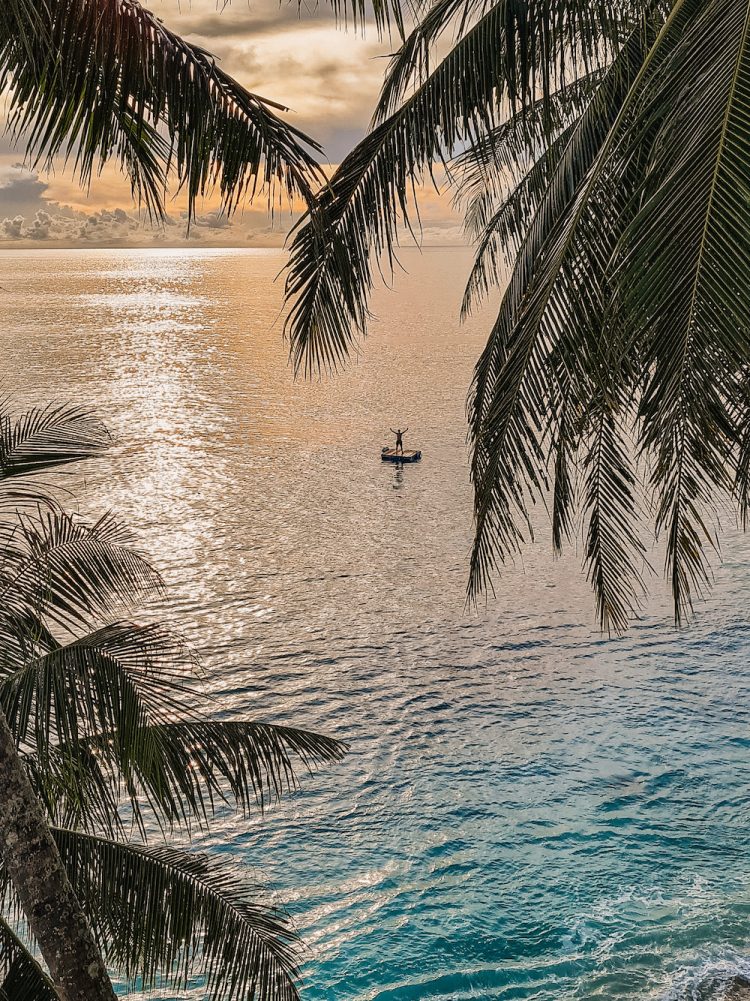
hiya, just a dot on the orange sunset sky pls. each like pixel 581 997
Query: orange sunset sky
pixel 328 77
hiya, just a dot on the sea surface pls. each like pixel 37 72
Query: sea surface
pixel 529 809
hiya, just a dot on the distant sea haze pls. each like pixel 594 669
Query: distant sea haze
pixel 528 809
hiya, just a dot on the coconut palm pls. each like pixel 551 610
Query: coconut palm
pixel 106 756
pixel 601 152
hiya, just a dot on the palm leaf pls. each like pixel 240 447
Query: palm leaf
pixel 371 195
pixel 556 301
pixel 201 763
pixel 115 681
pixel 329 274
pixel 68 573
pixel 412 61
pixel 494 164
pixel 639 247
pixel 21 976
pixel 47 436
pixel 683 269
pixel 116 706
pixel 77 788
pixel 614 550
pixel 166 916
pixel 501 229
pixel 105 75
pixel 741 397
pixel 35 442
pixel 388 14
pixel 179 772
pixel 543 46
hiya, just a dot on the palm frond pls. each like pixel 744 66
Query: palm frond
pixel 70 574
pixel 372 194
pixel 741 398
pixel 144 154
pixel 632 239
pixel 501 228
pixel 201 762
pixel 558 294
pixel 329 274
pixel 614 550
pixel 541 48
pixel 388 14
pixel 25 16
pixel 47 436
pixel 106 76
pixel 114 681
pixel 412 61
pixel 683 272
pixel 21 976
pixel 484 174
pixel 564 433
pixel 178 772
pixel 166 916
pixel 77 788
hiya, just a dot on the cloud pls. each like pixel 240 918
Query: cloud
pixel 329 80
pixel 34 218
pixel 20 188
pixel 74 228
pixel 265 18
pixel 211 220
pixel 13 228
pixel 29 217
pixel 328 75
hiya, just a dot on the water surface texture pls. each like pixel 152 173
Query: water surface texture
pixel 528 810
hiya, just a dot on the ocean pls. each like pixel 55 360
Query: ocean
pixel 529 809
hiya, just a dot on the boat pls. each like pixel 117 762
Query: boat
pixel 391 455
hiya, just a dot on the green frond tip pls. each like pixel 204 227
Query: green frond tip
pixel 167 916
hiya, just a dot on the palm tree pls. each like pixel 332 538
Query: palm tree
pixel 101 742
pixel 601 153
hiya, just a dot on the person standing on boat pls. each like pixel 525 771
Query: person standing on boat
pixel 399 439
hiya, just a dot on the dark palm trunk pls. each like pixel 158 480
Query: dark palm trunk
pixel 33 863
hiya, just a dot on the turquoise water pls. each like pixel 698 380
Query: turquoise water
pixel 528 810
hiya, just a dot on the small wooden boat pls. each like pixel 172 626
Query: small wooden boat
pixel 391 455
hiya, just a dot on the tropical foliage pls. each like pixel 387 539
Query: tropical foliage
pixel 105 716
pixel 99 80
pixel 601 153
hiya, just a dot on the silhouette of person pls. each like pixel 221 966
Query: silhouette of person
pixel 399 439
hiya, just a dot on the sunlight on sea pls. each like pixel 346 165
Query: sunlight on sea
pixel 529 809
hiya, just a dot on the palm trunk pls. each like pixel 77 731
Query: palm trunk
pixel 33 863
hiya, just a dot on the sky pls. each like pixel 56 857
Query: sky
pixel 328 77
